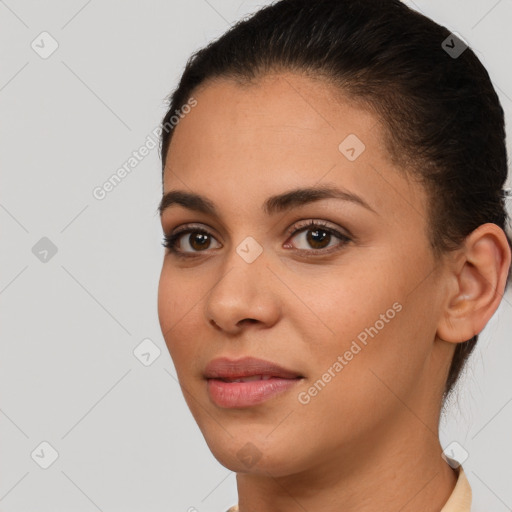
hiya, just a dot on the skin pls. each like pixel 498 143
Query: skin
pixel 369 439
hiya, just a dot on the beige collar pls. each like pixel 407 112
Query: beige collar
pixel 461 496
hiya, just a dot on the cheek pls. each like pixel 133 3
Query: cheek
pixel 177 305
pixel 345 304
pixel 166 302
pixel 353 385
pixel 365 327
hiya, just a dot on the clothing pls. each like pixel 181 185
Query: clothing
pixel 461 496
pixel 459 500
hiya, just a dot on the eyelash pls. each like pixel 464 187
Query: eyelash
pixel 170 241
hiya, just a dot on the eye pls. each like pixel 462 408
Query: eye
pixel 318 235
pixel 198 239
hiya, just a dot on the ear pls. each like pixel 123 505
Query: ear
pixel 478 278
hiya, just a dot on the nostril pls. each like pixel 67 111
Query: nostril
pixel 251 320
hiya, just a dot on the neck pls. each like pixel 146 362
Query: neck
pixel 404 472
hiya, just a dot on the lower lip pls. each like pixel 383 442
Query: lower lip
pixel 245 394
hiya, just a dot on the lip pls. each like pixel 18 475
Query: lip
pixel 246 394
pixel 225 368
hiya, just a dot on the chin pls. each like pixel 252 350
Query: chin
pixel 254 454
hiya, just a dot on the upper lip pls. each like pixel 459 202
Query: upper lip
pixel 225 368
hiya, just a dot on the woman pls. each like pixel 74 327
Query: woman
pixel 334 217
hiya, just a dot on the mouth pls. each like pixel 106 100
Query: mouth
pixel 250 378
pixel 247 367
pixel 247 382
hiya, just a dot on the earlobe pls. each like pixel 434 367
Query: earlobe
pixel 480 275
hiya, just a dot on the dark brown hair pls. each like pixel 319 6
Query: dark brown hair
pixel 445 124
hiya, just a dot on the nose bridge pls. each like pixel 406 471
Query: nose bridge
pixel 242 292
pixel 246 264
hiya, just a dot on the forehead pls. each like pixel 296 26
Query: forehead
pixel 256 139
pixel 277 111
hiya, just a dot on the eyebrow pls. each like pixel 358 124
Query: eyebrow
pixel 274 204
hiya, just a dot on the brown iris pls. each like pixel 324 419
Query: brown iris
pixel 202 240
pixel 313 237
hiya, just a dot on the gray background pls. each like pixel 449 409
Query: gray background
pixel 68 374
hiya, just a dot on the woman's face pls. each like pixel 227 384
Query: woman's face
pixel 353 314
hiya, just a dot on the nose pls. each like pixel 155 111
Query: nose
pixel 245 293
